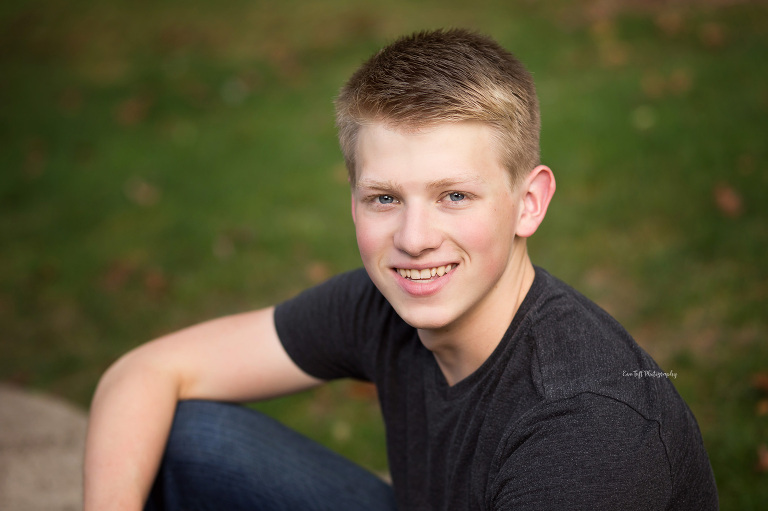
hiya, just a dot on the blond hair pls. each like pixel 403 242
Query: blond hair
pixel 442 76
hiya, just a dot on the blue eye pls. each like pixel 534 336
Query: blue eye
pixel 456 196
pixel 386 199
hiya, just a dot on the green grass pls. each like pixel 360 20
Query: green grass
pixel 164 163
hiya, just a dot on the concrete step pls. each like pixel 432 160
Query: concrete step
pixel 41 452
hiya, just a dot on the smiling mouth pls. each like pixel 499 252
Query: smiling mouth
pixel 426 273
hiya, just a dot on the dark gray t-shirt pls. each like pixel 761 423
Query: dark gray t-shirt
pixel 567 413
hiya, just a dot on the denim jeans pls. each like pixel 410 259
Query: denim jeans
pixel 227 457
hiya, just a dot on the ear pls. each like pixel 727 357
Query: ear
pixel 537 190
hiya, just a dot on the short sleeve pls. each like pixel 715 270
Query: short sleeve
pixel 588 452
pixel 326 330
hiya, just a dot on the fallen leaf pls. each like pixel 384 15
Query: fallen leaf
pixel 317 272
pixel 178 39
pixel 286 61
pixel 116 277
pixel 141 192
pixel 654 85
pixel 603 29
pixel 614 54
pixel 712 35
pixel 132 111
pixel 362 391
pixel 762 458
pixel 728 200
pixel 155 283
pixel 669 22
pixel 760 381
pixel 680 81
pixel 762 407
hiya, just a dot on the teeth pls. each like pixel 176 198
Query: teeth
pixel 426 273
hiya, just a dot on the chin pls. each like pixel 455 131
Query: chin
pixel 428 319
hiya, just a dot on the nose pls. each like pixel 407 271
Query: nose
pixel 417 231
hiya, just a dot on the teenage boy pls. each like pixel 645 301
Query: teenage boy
pixel 500 386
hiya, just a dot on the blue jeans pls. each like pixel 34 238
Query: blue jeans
pixel 227 457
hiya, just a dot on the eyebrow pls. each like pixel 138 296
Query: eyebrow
pixel 374 184
pixel 451 182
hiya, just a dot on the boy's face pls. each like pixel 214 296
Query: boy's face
pixel 436 219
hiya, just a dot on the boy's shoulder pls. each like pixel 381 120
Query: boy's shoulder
pixel 595 382
pixel 580 348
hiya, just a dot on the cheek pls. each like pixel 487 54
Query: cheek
pixel 369 239
pixel 489 240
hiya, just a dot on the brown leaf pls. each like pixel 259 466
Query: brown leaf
pixel 141 192
pixel 762 458
pixel 671 23
pixel 680 81
pixel 155 283
pixel 317 272
pixel 760 381
pixel 117 275
pixel 362 391
pixel 132 111
pixel 286 61
pixel 177 39
pixel 712 35
pixel 762 408
pixel 728 200
pixel 603 29
pixel 654 85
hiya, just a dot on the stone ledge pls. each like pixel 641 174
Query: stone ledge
pixel 41 451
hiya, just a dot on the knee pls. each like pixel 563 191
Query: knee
pixel 202 458
pixel 194 451
pixel 201 435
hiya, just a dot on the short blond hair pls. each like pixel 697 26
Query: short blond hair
pixel 442 76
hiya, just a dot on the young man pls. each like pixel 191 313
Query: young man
pixel 501 387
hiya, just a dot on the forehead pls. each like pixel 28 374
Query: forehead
pixel 448 152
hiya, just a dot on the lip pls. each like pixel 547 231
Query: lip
pixel 419 288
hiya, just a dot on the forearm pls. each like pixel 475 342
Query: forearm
pixel 130 419
pixel 237 358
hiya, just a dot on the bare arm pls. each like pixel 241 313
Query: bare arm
pixel 237 358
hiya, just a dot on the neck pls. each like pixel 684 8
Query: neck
pixel 461 348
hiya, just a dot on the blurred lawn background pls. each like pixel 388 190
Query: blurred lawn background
pixel 162 163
